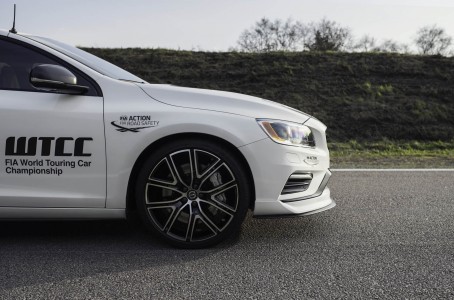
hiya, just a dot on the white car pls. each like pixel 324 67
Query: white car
pixel 83 139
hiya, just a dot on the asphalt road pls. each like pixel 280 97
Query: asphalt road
pixel 391 236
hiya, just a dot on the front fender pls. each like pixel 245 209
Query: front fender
pixel 124 147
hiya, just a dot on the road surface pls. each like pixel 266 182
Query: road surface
pixel 390 236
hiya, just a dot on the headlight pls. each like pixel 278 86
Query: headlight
pixel 288 133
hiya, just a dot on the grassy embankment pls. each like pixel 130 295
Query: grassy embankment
pixel 382 110
pixel 387 154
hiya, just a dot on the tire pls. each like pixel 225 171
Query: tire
pixel 192 193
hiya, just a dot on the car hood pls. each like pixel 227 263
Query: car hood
pixel 220 101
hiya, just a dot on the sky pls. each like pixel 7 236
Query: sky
pixel 212 25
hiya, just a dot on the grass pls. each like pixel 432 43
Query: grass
pixel 361 96
pixel 392 154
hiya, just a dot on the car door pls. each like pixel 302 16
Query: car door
pixel 52 144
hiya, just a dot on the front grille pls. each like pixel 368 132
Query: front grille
pixel 297 183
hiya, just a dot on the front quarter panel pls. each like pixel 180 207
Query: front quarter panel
pixel 134 121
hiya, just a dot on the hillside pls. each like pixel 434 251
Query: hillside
pixel 360 96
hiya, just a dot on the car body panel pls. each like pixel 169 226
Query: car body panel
pixel 62 119
pixel 226 102
pixel 281 162
pixel 157 111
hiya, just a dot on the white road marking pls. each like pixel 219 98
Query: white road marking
pixel 392 170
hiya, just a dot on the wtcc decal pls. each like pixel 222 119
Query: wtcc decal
pixel 134 123
pixel 39 155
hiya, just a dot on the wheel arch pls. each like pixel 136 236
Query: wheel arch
pixel 130 200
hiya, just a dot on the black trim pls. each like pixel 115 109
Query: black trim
pixel 62 62
pixel 319 191
pixel 297 215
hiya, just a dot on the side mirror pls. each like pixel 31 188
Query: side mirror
pixel 55 78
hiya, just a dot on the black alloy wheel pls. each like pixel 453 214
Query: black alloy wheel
pixel 192 193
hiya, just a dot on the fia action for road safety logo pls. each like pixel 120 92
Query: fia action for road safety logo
pixel 134 123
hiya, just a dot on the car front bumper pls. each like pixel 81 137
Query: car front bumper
pixel 272 165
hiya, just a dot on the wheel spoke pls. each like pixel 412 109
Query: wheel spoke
pixel 164 186
pixel 217 206
pixel 223 187
pixel 165 190
pixel 158 204
pixel 178 165
pixel 174 218
pixel 191 225
pixel 210 220
pixel 210 172
pixel 200 218
pixel 198 163
pixel 224 204
pixel 157 207
pixel 159 171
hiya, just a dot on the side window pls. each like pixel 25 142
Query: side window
pixel 16 62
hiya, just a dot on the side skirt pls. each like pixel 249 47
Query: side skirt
pixel 26 213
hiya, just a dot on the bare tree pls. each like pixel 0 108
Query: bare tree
pixel 328 35
pixel 303 33
pixel 366 44
pixel 286 35
pixel 390 46
pixel 258 38
pixel 432 40
pixel 269 35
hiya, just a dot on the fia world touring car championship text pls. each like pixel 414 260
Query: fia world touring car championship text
pixel 43 166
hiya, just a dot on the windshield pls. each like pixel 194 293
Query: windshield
pixel 91 61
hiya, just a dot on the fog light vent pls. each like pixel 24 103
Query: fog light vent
pixel 297 183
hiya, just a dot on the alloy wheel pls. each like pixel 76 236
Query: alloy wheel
pixel 191 195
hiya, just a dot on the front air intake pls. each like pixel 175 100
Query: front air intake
pixel 297 183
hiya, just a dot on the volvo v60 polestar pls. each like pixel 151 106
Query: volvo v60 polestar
pixel 83 139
